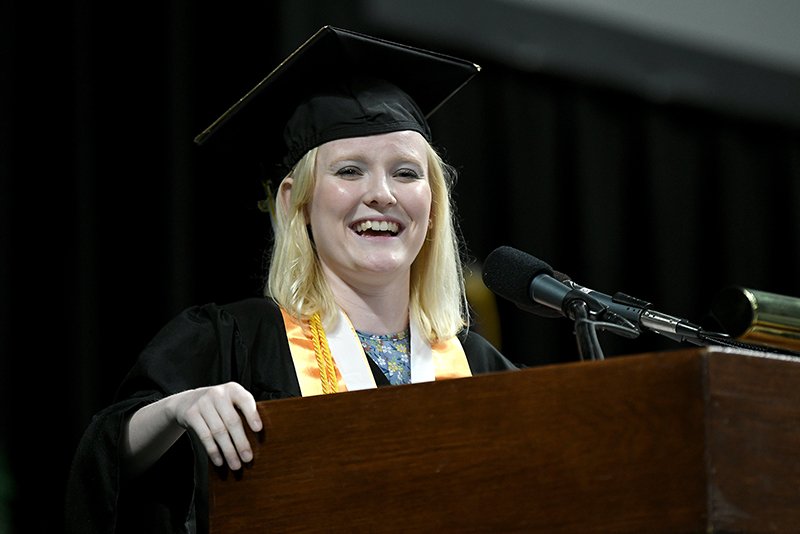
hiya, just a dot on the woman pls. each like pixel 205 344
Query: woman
pixel 365 256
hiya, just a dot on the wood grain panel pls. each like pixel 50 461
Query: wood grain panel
pixel 611 446
pixel 754 441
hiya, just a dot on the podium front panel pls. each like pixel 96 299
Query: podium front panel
pixel 611 446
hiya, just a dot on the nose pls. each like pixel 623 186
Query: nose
pixel 380 190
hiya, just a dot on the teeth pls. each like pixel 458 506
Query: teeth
pixel 378 226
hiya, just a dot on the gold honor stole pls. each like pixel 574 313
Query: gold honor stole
pixel 443 360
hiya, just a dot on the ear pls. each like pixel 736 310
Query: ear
pixel 285 197
pixel 285 193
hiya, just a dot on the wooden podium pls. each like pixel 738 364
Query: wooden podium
pixel 704 440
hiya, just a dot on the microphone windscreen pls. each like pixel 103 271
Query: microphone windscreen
pixel 508 272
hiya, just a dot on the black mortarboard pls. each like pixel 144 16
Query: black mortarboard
pixel 342 84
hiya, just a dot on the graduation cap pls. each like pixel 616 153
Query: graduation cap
pixel 341 84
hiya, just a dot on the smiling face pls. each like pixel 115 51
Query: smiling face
pixel 371 206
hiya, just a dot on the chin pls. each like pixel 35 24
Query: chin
pixel 382 268
pixel 386 266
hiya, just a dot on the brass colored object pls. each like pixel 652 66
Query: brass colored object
pixel 759 317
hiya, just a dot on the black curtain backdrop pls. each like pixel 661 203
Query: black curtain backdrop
pixel 112 221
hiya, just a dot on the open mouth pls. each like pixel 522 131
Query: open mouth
pixel 376 228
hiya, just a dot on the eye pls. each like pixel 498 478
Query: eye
pixel 348 171
pixel 407 174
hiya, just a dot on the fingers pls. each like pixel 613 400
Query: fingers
pixel 228 434
pixel 196 420
pixel 247 405
pixel 212 414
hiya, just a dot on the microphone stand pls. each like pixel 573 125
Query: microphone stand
pixel 585 332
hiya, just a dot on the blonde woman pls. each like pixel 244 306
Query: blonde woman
pixel 365 288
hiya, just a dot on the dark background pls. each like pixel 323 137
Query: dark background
pixel 112 221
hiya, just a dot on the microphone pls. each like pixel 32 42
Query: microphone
pixel 508 272
pixel 533 286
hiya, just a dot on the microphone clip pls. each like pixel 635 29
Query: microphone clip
pixel 602 317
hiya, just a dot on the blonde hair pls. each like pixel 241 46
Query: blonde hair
pixel 437 300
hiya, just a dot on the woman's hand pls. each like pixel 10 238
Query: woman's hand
pixel 212 413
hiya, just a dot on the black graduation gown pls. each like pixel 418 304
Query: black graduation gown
pixel 243 342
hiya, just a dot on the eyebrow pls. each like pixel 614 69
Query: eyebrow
pixel 405 156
